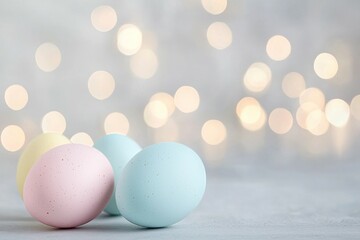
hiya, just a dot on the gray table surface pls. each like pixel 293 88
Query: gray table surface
pixel 251 201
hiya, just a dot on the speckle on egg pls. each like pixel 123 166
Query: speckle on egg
pixel 159 192
pixel 60 186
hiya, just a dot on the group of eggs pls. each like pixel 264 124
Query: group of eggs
pixel 65 185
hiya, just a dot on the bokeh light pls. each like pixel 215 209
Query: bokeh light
pixel 337 112
pixel 155 114
pixel 311 117
pixel 167 99
pixel 284 83
pixel 301 116
pixel 48 57
pixel 278 48
pixel 144 64
pixel 257 77
pixel 311 99
pixel 101 85
pixel 246 101
pixel 355 107
pixel 214 7
pixel 219 35
pixel 103 18
pixel 16 97
pixel 293 84
pixel 310 113
pixel 82 138
pixel 12 138
pixel 326 66
pixel 316 122
pixel 251 114
pixel 116 122
pixel 213 132
pixel 280 120
pixel 129 39
pixel 53 122
pixel 187 99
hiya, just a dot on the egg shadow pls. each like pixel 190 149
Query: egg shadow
pixel 115 223
pixel 19 223
pixel 105 215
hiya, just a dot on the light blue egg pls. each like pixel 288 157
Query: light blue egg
pixel 161 185
pixel 119 149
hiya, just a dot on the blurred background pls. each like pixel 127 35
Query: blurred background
pixel 237 78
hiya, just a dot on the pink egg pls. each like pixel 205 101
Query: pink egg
pixel 68 186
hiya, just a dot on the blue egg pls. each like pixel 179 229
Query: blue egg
pixel 161 185
pixel 119 149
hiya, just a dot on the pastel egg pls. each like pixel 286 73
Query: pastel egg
pixel 68 186
pixel 161 185
pixel 119 149
pixel 37 147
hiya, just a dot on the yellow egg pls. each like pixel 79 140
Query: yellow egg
pixel 37 147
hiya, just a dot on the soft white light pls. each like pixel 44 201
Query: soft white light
pixel 53 122
pixel 116 122
pixel 12 138
pixel 214 7
pixel 316 122
pixel 219 35
pixel 301 115
pixel 213 132
pixel 312 98
pixel 280 120
pixel 82 138
pixel 155 114
pixel 187 99
pixel 167 99
pixel 326 66
pixel 101 85
pixel 278 48
pixel 258 77
pixel 337 112
pixel 48 57
pixel 16 97
pixel 103 18
pixel 251 114
pixel 293 84
pixel 129 39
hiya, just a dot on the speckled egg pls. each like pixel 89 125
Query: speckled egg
pixel 68 186
pixel 161 185
pixel 119 149
pixel 37 147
